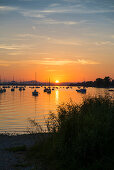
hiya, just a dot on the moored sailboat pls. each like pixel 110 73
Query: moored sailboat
pixel 49 88
pixel 35 93
pixel 82 90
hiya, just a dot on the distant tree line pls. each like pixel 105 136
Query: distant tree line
pixel 99 82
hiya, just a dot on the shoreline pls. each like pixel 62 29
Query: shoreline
pixel 8 159
pixel 9 140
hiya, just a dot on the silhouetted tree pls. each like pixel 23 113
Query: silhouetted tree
pixel 107 81
pixel 112 83
pixel 99 82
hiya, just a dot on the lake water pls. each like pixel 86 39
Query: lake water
pixel 16 108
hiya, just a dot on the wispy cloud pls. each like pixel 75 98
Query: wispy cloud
pixel 23 53
pixel 27 35
pixel 4 64
pixel 47 62
pixel 57 9
pixel 15 46
pixel 52 40
pixel 64 42
pixel 8 47
pixel 32 13
pixel 54 62
pixel 8 8
pixel 52 21
pixel 16 53
pixel 76 9
pixel 54 5
pixel 64 62
pixel 102 43
pixel 83 61
pixel 7 63
pixel 24 36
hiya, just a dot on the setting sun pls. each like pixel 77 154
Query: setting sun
pixel 57 81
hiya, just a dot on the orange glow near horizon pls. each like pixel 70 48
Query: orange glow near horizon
pixel 65 73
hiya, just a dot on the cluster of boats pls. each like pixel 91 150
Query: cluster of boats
pixel 32 87
pixel 81 90
pixel 3 89
pixel 35 92
pixel 48 90
pixel 20 88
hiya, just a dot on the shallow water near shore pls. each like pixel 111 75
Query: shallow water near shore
pixel 16 108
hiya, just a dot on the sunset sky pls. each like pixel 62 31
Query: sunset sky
pixel 66 40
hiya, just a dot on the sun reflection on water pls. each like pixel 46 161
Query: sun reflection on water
pixel 17 107
pixel 57 96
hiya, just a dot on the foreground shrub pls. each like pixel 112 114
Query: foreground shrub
pixel 82 136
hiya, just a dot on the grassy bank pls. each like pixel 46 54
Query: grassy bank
pixel 81 137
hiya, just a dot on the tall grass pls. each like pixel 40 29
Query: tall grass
pixel 81 136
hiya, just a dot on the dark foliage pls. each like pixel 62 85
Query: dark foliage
pixel 81 136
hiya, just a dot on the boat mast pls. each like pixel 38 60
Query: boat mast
pixel 35 77
pixel 49 82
